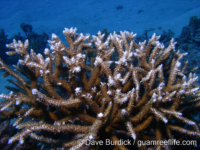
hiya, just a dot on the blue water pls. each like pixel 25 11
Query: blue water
pixel 91 16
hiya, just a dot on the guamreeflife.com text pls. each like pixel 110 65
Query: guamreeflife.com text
pixel 142 142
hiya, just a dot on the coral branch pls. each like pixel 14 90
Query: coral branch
pixel 107 87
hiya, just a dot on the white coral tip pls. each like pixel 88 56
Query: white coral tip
pixel 166 121
pixel 77 69
pixel 109 92
pixel 54 36
pixel 100 115
pixel 124 111
pixel 90 137
pixel 34 91
pixel 10 141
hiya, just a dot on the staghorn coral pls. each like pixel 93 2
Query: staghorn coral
pixel 145 94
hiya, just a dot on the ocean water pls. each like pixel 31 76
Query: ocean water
pixel 91 16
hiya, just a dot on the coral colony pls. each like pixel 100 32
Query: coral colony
pixel 75 94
